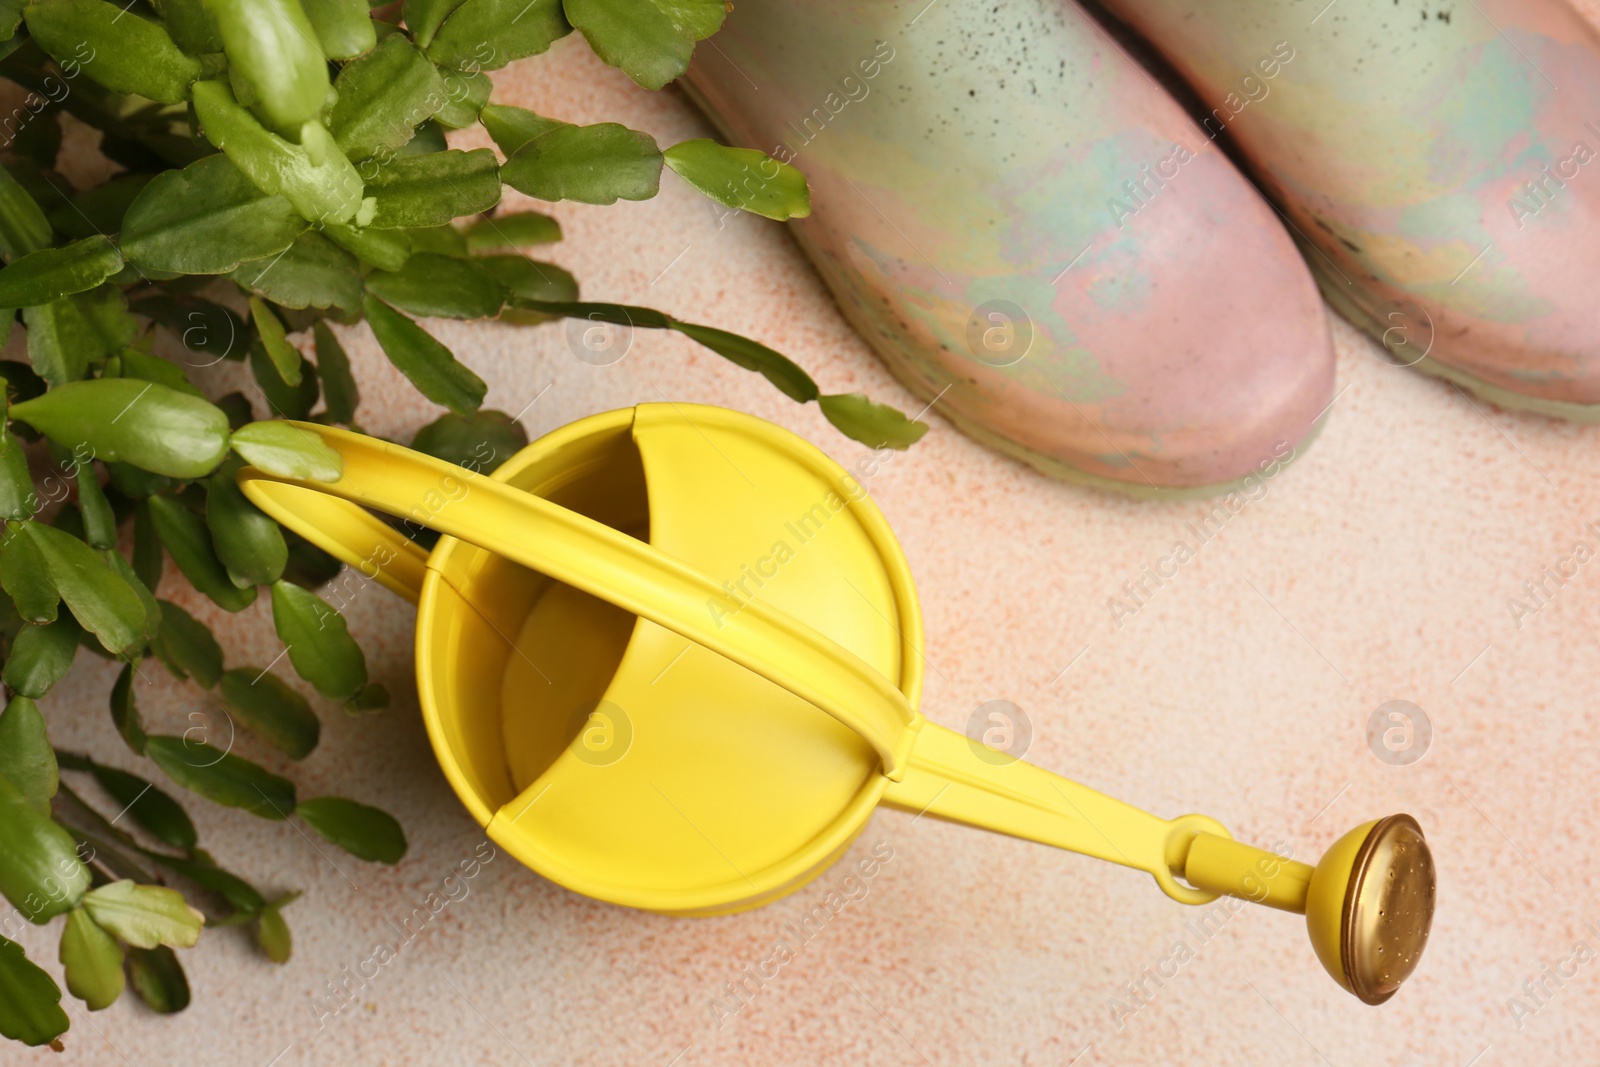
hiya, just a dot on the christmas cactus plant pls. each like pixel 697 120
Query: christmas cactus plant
pixel 284 175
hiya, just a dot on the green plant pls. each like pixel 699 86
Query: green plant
pixel 284 168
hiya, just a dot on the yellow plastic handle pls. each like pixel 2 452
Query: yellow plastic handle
pixel 348 533
pixel 582 553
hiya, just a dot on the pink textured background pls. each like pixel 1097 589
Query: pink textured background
pixel 1377 567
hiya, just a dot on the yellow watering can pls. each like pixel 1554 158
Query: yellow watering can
pixel 670 657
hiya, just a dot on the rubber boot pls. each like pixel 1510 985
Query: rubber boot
pixel 1441 162
pixel 1033 234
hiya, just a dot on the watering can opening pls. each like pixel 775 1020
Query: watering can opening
pixel 492 621
pixel 628 762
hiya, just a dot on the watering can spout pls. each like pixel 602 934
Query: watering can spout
pixel 1368 903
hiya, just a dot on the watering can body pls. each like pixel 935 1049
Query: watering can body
pixel 644 768
pixel 607 751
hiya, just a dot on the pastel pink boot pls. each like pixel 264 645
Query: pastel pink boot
pixel 1440 162
pixel 1033 234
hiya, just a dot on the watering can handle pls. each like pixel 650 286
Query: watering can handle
pixel 580 552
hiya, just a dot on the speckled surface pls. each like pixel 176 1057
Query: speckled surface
pixel 1377 567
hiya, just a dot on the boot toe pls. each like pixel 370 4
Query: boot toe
pixel 1186 347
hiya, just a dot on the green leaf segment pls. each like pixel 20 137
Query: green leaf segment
pixel 282 176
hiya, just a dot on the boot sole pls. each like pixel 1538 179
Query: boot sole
pixel 1065 472
pixel 1333 291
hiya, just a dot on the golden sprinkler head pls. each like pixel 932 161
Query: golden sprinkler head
pixel 1370 906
